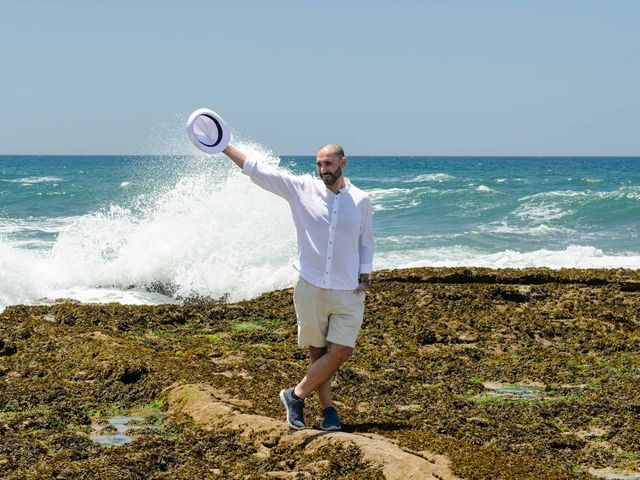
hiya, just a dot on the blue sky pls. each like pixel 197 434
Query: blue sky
pixel 381 77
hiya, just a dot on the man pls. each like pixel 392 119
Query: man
pixel 335 253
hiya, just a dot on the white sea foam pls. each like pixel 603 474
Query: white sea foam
pixel 19 276
pixel 395 240
pixel 430 177
pixel 622 193
pixel 542 213
pixel 631 192
pixel 383 193
pixel 31 244
pixel 556 194
pixel 211 234
pixel 34 180
pixel 546 206
pixel 397 198
pixel 574 256
pixel 485 189
pixel 408 242
pixel 133 296
pixel 10 226
pixel 534 231
pixel 391 199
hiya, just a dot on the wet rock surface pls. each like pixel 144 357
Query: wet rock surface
pixel 213 409
pixel 511 374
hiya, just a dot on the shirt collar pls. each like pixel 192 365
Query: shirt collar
pixel 347 186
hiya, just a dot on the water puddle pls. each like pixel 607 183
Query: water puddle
pixel 607 474
pixel 114 432
pixel 621 476
pixel 514 392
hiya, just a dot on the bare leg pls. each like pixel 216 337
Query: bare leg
pixel 323 368
pixel 324 390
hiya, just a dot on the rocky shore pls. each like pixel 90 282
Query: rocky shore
pixel 476 373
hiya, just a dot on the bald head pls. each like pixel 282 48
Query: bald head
pixel 330 161
pixel 332 149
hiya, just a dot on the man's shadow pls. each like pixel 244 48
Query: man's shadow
pixel 372 427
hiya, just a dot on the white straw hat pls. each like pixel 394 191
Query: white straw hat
pixel 208 131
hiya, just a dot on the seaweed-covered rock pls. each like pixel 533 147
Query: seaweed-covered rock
pixel 510 373
pixel 7 347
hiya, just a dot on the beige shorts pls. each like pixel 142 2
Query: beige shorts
pixel 326 315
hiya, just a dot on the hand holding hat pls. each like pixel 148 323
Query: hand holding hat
pixel 208 131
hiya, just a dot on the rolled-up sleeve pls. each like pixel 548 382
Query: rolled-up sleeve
pixel 272 179
pixel 365 244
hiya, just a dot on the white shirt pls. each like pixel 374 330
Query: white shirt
pixel 335 243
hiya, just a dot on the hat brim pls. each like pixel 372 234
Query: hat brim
pixel 208 131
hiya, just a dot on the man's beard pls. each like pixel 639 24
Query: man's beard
pixel 332 178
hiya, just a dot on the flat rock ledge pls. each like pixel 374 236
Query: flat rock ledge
pixel 213 409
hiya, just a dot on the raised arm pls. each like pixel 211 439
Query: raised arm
pixel 272 179
pixel 236 155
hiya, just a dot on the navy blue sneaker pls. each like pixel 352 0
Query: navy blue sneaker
pixel 330 420
pixel 294 408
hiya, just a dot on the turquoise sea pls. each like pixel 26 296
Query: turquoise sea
pixel 124 228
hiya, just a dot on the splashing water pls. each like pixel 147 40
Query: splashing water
pixel 210 232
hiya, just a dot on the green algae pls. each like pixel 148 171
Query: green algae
pixel 247 326
pixel 431 340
